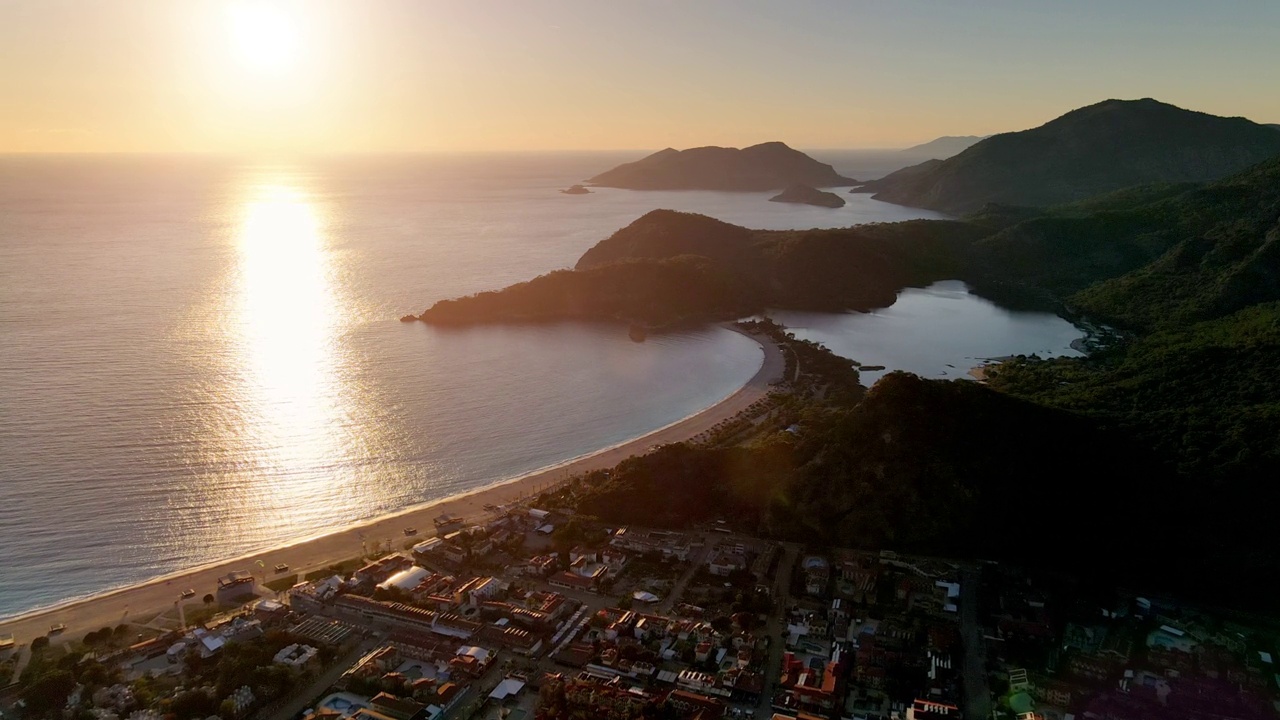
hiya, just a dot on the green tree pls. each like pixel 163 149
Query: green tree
pixel 49 691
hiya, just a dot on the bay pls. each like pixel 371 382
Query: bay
pixel 201 356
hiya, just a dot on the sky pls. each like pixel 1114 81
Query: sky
pixel 356 76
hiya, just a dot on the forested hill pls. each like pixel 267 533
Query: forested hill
pixel 767 166
pixel 1147 256
pixel 1096 149
pixel 935 467
pixel 670 267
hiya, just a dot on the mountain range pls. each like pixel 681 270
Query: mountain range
pixel 1097 149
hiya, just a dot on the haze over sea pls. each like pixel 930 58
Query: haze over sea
pixel 201 357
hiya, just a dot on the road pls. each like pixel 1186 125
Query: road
pixel 775 626
pixel 696 560
pixel 299 701
pixel 977 696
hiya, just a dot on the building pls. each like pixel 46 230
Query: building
pixel 572 581
pixel 235 585
pixel 295 656
pixel 724 563
pixel 382 569
pixel 312 597
pixel 406 580
pixel 692 704
pixel 427 547
pixel 405 616
pixel 927 710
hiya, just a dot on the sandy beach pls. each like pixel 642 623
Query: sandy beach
pixel 139 603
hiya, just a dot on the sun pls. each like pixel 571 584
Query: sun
pixel 264 37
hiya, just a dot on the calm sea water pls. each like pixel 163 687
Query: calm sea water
pixel 202 357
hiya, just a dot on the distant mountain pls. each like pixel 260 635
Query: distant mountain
pixel 805 195
pixel 768 166
pixel 1094 150
pixel 946 146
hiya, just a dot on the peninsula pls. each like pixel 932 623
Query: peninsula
pixel 767 166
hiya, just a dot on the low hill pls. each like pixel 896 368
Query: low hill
pixel 805 195
pixel 945 146
pixel 1094 150
pixel 767 166
pixel 910 467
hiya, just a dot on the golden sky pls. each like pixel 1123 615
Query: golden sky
pixel 286 76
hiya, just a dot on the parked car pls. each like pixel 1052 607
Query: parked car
pixel 188 593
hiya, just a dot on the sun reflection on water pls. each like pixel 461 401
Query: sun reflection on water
pixel 288 323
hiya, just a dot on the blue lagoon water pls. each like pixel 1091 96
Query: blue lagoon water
pixel 936 332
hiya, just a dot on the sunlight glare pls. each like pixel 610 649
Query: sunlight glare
pixel 263 36
pixel 288 326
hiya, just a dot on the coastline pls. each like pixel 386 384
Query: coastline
pixel 141 601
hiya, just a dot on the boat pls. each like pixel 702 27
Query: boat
pixel 282 567
pixel 188 594
pixel 55 629
pixel 410 532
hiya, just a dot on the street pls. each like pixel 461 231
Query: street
pixel 977 696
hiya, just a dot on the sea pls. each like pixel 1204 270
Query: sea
pixel 202 356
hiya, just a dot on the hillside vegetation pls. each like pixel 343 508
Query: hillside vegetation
pixel 1097 149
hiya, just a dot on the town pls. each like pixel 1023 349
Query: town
pixel 533 614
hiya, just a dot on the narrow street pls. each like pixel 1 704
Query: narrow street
pixel 299 701
pixel 697 559
pixel 977 696
pixel 775 627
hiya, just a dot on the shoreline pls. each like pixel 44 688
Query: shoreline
pixel 142 600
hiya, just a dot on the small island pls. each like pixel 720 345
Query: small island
pixel 805 195
pixel 767 166
pixel 576 190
